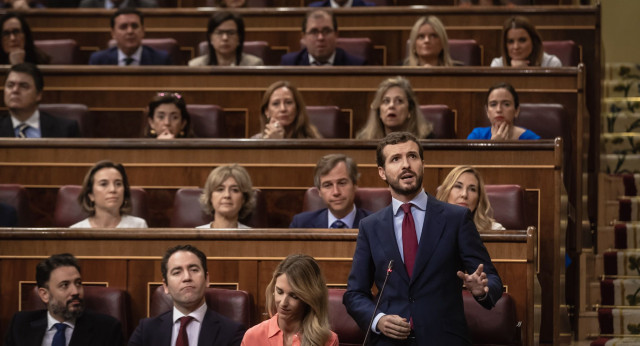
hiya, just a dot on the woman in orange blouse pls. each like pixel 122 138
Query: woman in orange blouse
pixel 297 301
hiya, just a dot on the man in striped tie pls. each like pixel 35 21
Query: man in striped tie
pixel 65 322
pixel 22 94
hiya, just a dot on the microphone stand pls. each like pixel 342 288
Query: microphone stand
pixel 373 316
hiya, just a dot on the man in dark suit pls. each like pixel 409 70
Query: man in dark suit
pixel 190 322
pixel 422 302
pixel 336 177
pixel 127 29
pixel 22 94
pixel 319 35
pixel 60 288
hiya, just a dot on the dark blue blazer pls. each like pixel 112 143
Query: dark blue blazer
pixel 149 56
pixel 301 58
pixel 320 218
pixel 432 296
pixel 50 127
pixel 215 330
pixel 28 327
pixel 8 216
pixel 327 3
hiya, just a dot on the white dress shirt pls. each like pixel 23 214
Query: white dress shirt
pixel 51 330
pixel 193 328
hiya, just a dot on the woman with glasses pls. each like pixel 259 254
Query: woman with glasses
pixel 17 42
pixel 395 108
pixel 168 117
pixel 225 40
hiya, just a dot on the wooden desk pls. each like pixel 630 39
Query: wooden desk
pixel 283 167
pixel 244 259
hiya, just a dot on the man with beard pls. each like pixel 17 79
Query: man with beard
pixel 431 244
pixel 65 321
pixel 190 322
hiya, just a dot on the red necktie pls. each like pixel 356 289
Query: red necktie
pixel 409 238
pixel 183 338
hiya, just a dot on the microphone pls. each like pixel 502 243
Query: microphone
pixel 373 316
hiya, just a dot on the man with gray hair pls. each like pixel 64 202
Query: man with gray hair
pixel 336 177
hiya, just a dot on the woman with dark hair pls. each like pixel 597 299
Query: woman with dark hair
pixel 17 42
pixel 503 107
pixel 522 46
pixel 106 196
pixel 225 38
pixel 168 117
pixel 283 114
pixel 297 301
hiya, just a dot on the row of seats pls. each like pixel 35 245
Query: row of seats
pixel 468 52
pixel 507 202
pixel 498 326
pixel 208 121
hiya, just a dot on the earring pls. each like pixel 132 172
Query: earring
pixel 152 132
pixel 181 134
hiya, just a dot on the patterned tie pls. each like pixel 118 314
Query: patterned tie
pixel 129 60
pixel 59 339
pixel 338 224
pixel 409 238
pixel 22 130
pixel 183 338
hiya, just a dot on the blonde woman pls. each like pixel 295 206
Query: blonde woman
pixel 395 108
pixel 464 186
pixel 297 301
pixel 428 44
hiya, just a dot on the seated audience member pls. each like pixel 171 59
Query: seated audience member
pixel 464 186
pixel 106 196
pixel 336 177
pixel 428 44
pixel 319 35
pixel 225 37
pixel 65 321
pixel 127 29
pixel 8 216
pixel 503 107
pixel 395 108
pixel 168 117
pixel 22 94
pixel 17 42
pixel 283 114
pixel 190 322
pixel 297 300
pixel 341 3
pixel 522 46
pixel 110 4
pixel 228 196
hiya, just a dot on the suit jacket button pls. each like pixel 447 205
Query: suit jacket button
pixel 411 300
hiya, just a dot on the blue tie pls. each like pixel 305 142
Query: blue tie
pixel 338 224
pixel 22 130
pixel 59 338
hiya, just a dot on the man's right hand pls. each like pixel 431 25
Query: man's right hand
pixel 394 326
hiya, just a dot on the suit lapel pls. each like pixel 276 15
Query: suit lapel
pixel 322 221
pixel 81 332
pixel 387 238
pixel 209 329
pixel 46 123
pixel 166 328
pixel 37 329
pixel 431 232
pixel 7 127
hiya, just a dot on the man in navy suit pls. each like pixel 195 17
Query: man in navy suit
pixel 336 177
pixel 22 94
pixel 319 35
pixel 185 278
pixel 127 29
pixel 431 247
pixel 65 322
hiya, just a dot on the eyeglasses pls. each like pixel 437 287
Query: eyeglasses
pixel 229 33
pixel 316 32
pixel 169 94
pixel 14 32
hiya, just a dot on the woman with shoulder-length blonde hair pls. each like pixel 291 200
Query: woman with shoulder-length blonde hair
pixel 464 186
pixel 228 196
pixel 428 44
pixel 283 114
pixel 297 300
pixel 395 108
